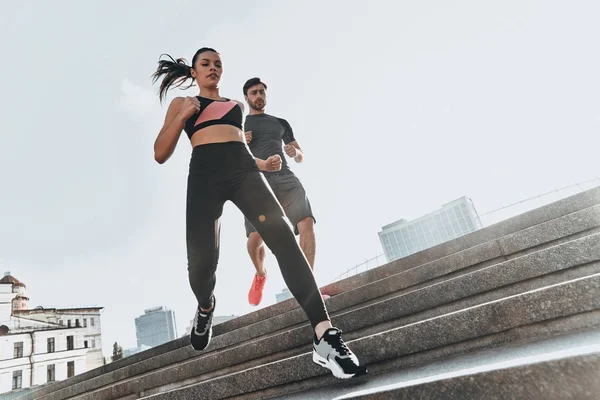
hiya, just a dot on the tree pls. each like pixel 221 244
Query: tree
pixel 117 352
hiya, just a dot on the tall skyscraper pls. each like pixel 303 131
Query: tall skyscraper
pixel 403 238
pixel 155 327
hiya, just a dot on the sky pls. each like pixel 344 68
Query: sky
pixel 400 107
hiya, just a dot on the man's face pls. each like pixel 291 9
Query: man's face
pixel 257 97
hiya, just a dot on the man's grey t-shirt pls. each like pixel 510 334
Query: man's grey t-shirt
pixel 269 133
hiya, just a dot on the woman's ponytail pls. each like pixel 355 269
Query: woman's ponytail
pixel 175 73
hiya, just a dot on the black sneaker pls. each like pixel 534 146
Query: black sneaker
pixel 332 353
pixel 202 329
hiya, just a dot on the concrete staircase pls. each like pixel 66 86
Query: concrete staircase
pixel 501 313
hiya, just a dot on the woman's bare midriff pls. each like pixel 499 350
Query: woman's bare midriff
pixel 217 134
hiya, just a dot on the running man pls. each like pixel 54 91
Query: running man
pixel 265 135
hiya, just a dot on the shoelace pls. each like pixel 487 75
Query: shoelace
pixel 197 317
pixel 207 321
pixel 337 343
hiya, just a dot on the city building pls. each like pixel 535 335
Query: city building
pixel 403 238
pixel 155 327
pixel 87 318
pixel 283 295
pixel 134 350
pixel 35 349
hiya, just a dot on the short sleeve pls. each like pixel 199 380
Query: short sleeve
pixel 288 134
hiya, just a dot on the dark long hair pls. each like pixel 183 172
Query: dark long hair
pixel 175 72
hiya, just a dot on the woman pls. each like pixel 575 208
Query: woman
pixel 222 168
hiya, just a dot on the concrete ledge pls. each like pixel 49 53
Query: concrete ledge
pixel 287 312
pixel 571 224
pixel 569 205
pixel 539 331
pixel 494 278
pixel 566 378
pixel 322 387
pixel 163 369
pixel 391 309
pixel 574 297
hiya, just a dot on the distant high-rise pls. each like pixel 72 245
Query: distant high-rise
pixel 155 327
pixel 403 238
pixel 283 295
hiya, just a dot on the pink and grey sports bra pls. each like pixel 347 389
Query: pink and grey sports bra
pixel 214 112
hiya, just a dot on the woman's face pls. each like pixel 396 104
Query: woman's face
pixel 208 69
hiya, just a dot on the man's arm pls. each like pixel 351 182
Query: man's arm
pixel 292 148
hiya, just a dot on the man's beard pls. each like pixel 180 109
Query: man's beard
pixel 255 107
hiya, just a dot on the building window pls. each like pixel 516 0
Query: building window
pixel 51 373
pixel 85 344
pixel 17 382
pixel 77 323
pixel 92 321
pixel 69 323
pixel 470 225
pixel 18 353
pixel 93 343
pixel 70 369
pixel 70 344
pixel 51 345
pixel 463 225
pixel 61 322
pixel 85 322
pixel 14 306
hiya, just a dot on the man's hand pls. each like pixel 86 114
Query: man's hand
pixel 291 150
pixel 273 163
pixel 294 152
pixel 248 136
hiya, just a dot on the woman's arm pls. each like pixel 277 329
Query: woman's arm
pixel 179 111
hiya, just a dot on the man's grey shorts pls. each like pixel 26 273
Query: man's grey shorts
pixel 291 195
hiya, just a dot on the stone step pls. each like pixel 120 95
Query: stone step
pixel 550 266
pixel 581 211
pixel 574 377
pixel 561 208
pixel 557 301
pixel 563 220
pixel 393 378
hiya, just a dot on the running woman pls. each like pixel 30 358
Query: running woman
pixel 223 168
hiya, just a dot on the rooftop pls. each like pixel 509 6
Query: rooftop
pixel 40 309
pixel 8 278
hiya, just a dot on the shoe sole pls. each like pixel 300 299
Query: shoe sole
pixel 252 304
pixel 333 367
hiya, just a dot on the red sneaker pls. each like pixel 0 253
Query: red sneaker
pixel 255 293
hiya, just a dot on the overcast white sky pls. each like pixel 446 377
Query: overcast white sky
pixel 399 106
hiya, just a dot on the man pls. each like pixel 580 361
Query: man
pixel 264 135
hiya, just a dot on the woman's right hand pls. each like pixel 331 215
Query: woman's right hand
pixel 190 106
pixel 273 163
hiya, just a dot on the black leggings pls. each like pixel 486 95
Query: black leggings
pixel 228 171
